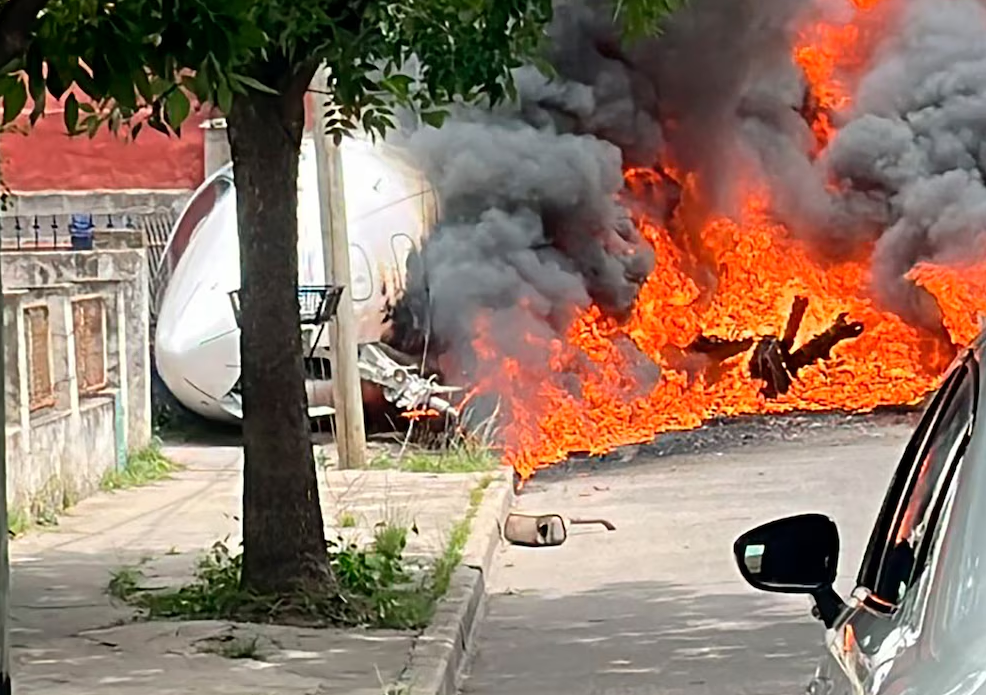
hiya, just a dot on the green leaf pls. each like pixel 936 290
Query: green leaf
pixel 56 85
pixel 434 118
pixel 250 82
pixel 176 107
pixel 39 93
pixel 224 96
pixel 72 114
pixel 14 99
pixel 143 84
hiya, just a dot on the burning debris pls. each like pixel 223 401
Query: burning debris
pixel 774 360
pixel 825 149
pixel 776 363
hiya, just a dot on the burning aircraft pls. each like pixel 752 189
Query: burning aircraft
pixel 389 207
pixel 804 199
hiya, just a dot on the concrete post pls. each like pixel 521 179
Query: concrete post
pixel 217 154
pixel 343 346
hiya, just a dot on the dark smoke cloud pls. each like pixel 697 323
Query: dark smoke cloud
pixel 532 228
pixel 917 142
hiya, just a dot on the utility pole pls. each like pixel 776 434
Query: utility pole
pixel 346 386
pixel 4 553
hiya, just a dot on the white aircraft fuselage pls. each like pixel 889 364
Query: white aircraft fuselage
pixel 389 208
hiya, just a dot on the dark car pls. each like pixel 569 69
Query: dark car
pixel 916 622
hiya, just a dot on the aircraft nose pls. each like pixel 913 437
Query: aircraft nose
pixel 199 344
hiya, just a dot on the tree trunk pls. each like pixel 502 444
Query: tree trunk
pixel 284 546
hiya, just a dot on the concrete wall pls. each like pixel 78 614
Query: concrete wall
pixel 58 453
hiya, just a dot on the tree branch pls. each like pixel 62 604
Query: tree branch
pixel 17 19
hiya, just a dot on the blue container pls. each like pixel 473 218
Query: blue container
pixel 80 229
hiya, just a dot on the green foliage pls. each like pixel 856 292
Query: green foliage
pixel 378 585
pixel 142 61
pixel 18 521
pixel 125 583
pixel 237 648
pixel 143 466
pixel 347 520
pixel 645 17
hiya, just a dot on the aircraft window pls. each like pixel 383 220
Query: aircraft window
pixel 361 273
pixel 402 245
pixel 202 204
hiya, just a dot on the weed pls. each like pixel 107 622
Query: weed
pixel 455 458
pixel 18 521
pixel 322 459
pixel 236 648
pixel 125 583
pixel 347 520
pixel 143 466
pixel 449 560
pixel 375 585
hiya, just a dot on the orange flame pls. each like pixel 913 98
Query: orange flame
pixel 831 57
pixel 587 399
pixel 600 388
pixel 420 413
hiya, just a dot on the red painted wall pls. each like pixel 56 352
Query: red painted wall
pixel 45 158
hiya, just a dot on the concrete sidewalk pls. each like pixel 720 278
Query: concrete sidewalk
pixel 70 638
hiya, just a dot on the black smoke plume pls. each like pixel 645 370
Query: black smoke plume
pixel 535 222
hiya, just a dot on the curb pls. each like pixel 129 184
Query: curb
pixel 439 654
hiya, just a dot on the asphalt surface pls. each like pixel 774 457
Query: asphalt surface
pixel 657 607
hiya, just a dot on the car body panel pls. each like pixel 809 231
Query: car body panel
pixel 932 639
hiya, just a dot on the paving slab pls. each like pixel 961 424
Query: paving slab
pixel 70 637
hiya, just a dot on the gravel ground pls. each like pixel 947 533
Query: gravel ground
pixel 731 434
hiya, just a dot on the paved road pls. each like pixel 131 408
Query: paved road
pixel 657 607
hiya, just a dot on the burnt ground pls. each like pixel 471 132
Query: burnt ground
pixel 730 434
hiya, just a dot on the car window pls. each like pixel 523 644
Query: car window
pixel 905 553
pixel 883 527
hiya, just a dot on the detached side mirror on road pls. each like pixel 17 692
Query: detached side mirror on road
pixel 796 555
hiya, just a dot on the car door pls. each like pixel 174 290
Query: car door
pixel 886 608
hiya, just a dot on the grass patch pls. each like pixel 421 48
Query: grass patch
pixel 125 583
pixel 143 466
pixel 236 648
pixel 18 521
pixel 452 555
pixel 377 585
pixel 457 458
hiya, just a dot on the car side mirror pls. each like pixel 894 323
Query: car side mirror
pixel 535 530
pixel 796 555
